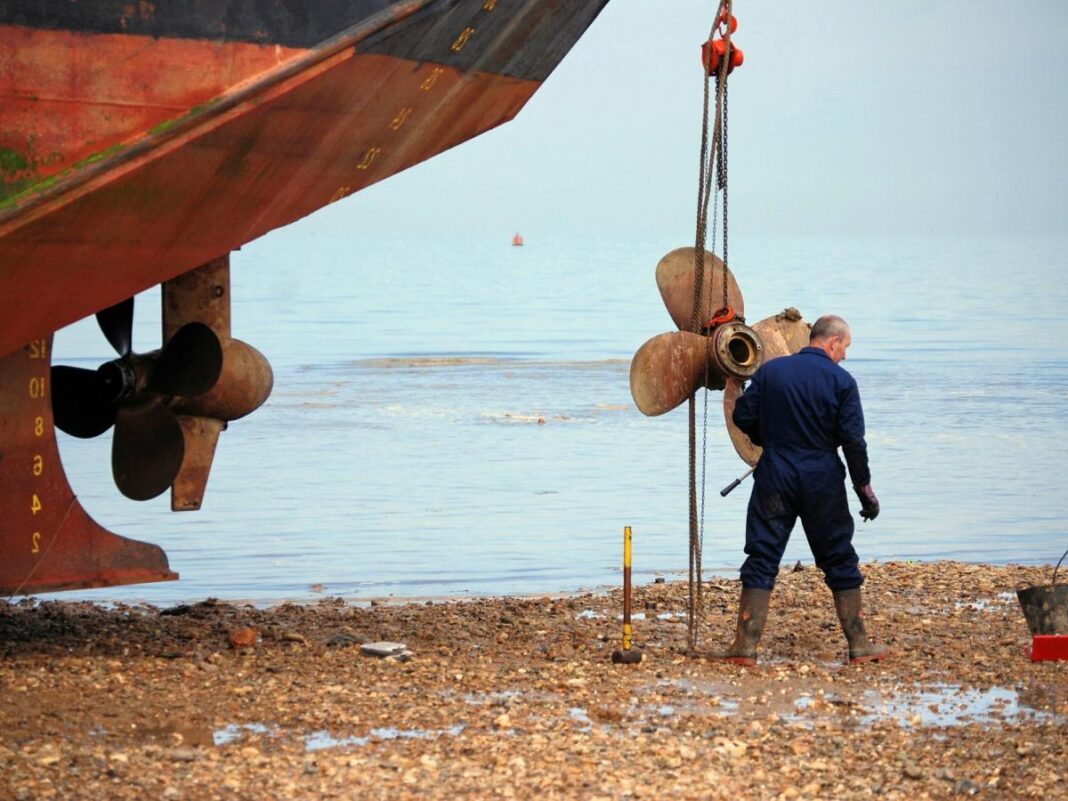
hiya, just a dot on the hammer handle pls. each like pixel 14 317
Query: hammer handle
pixel 727 490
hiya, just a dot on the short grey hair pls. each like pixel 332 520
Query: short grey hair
pixel 829 325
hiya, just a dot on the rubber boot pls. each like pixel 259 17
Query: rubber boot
pixel 861 649
pixel 752 615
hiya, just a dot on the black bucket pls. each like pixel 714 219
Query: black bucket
pixel 1046 608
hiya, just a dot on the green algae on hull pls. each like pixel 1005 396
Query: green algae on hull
pixel 16 172
pixel 11 192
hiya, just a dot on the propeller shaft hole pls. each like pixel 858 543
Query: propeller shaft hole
pixel 742 351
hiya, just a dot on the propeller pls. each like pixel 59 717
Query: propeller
pixel 133 393
pixel 669 368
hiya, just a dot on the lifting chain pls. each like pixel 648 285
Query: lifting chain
pixel 713 163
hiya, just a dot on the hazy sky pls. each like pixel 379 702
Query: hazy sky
pixel 849 116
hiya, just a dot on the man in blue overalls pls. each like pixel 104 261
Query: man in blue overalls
pixel 801 409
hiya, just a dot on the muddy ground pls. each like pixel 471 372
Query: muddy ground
pixel 517 698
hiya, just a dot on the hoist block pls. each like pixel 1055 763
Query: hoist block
pixel 712 53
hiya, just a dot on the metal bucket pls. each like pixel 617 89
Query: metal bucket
pixel 1046 608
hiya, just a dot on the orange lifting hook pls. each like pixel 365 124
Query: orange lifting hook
pixel 721 316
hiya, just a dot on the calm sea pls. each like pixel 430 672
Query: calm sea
pixel 454 418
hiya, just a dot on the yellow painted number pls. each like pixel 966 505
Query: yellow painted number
pixel 36 542
pixel 401 118
pixel 38 464
pixel 369 158
pixel 38 426
pixel 461 40
pixel 39 349
pixel 431 79
pixel 37 387
pixel 35 504
pixel 489 5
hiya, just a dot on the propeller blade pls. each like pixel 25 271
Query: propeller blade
pixel 146 450
pixel 667 370
pixel 78 405
pixel 189 363
pixel 781 335
pixel 675 276
pixel 116 323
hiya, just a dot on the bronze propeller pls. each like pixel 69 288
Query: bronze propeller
pixel 671 367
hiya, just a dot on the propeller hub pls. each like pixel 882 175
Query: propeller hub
pixel 737 351
pixel 118 380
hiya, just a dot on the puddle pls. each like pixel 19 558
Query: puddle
pixel 495 698
pixel 589 614
pixel 936 705
pixel 235 731
pixel 988 604
pixel 579 715
pixel 689 696
pixel 709 693
pixel 319 740
pixel 671 616
pixel 949 705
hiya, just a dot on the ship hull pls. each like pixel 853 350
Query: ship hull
pixel 141 140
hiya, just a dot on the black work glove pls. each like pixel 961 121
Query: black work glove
pixel 869 504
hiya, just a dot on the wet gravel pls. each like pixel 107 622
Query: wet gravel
pixel 517 697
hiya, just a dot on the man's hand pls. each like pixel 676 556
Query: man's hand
pixel 869 504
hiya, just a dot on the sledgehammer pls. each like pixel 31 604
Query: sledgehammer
pixel 627 655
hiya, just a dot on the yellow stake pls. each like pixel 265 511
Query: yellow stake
pixel 627 655
pixel 626 588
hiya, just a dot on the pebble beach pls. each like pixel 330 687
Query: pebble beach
pixel 518 698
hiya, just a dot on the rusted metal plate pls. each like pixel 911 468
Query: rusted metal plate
pixel 47 541
pixel 675 279
pixel 781 335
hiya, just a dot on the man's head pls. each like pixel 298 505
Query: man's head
pixel 831 334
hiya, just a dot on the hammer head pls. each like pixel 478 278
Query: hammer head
pixel 632 656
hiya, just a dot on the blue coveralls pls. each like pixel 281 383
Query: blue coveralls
pixel 801 408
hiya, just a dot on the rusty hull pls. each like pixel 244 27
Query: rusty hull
pixel 400 86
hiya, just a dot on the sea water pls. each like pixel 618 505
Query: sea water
pixel 454 417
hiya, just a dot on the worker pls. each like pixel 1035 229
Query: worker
pixel 801 409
